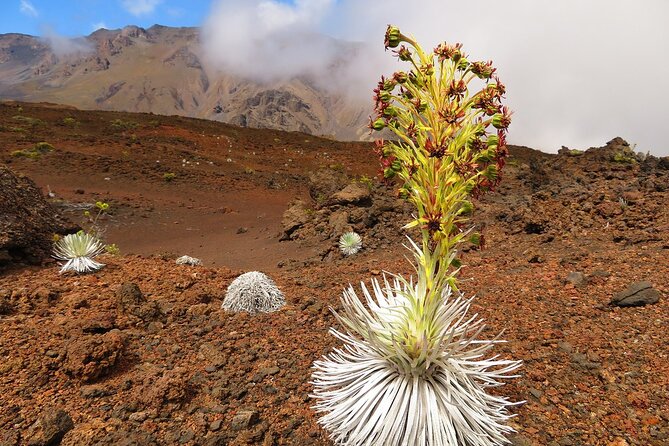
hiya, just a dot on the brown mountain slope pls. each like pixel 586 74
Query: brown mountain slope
pixel 162 70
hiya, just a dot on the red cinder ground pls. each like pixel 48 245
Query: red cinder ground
pixel 174 368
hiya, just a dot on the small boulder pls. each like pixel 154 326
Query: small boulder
pixel 92 356
pixel 50 428
pixel 637 295
pixel 324 182
pixel 244 419
pixel 130 300
pixel 188 260
pixel 129 295
pixel 354 193
pixel 576 278
pixel 338 221
pixel 294 218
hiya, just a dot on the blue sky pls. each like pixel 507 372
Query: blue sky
pixel 81 17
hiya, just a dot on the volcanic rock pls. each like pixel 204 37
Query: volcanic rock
pixel 576 278
pixel 294 217
pixel 244 419
pixel 637 295
pixel 49 428
pixel 27 221
pixel 356 193
pixel 130 300
pixel 92 356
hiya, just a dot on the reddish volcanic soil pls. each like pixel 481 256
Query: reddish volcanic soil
pixel 95 360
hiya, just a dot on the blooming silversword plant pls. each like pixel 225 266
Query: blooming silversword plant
pixel 412 370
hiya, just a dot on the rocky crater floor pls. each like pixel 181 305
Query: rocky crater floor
pixel 574 272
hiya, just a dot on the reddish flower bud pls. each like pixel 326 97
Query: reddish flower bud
pixel 484 70
pixel 403 54
pixel 400 77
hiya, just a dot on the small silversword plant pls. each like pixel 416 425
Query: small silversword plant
pixel 78 251
pixel 412 370
pixel 350 243
pixel 253 292
pixel 188 260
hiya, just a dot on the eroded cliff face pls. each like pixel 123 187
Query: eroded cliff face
pixel 161 70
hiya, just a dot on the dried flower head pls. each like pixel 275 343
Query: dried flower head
pixel 253 292
pixel 350 243
pixel 78 251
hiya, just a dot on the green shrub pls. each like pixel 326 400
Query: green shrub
pixel 623 158
pixel 119 124
pixel 35 151
pixel 33 122
pixel 168 176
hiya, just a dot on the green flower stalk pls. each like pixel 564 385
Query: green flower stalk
pixel 413 371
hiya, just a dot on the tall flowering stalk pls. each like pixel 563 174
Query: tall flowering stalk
pixel 412 371
pixel 451 143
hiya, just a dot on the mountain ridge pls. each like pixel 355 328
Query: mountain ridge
pixel 164 70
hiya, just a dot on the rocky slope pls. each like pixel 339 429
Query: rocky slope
pixel 142 353
pixel 162 70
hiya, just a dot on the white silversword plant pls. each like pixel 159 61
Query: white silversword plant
pixel 350 243
pixel 78 251
pixel 412 371
pixel 253 292
pixel 188 260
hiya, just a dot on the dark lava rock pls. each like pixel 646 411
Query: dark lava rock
pixel 49 428
pixel 129 295
pixel 637 295
pixel 244 419
pixel 27 220
pixel 130 300
pixel 6 306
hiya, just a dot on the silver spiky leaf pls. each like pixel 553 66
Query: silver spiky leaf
pixel 78 251
pixel 253 292
pixel 407 377
pixel 350 243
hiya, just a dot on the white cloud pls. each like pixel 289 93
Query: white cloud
pixel 140 7
pixel 27 8
pixel 65 46
pixel 268 40
pixel 577 73
pixel 99 25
